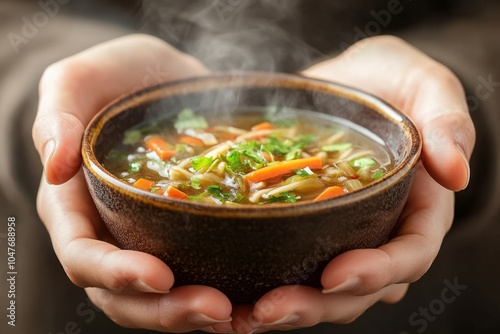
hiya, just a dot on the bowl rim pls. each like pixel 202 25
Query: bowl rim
pixel 219 80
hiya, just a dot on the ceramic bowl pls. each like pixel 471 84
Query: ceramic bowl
pixel 245 251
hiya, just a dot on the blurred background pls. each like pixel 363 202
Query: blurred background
pixel 256 35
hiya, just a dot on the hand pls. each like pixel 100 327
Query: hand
pixel 132 288
pixel 433 97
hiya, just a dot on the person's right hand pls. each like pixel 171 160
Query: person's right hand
pixel 132 288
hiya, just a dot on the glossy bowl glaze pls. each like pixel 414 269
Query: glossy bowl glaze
pixel 245 250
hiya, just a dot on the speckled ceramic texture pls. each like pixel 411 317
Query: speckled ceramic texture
pixel 245 251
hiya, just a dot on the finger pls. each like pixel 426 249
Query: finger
pixel 395 293
pixel 425 90
pixel 74 227
pixel 448 135
pixel 183 309
pixel 302 306
pixel 408 255
pixel 73 90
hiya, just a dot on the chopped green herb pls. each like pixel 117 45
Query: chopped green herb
pixel 132 137
pixel 276 147
pixel 363 162
pixel 154 189
pixel 180 148
pixel 134 166
pixel 216 192
pixel 187 119
pixel 245 157
pixel 199 162
pixel 284 197
pixel 293 154
pixel 305 172
pixel 234 163
pixel 340 147
pixel 378 174
pixel 306 140
pixel 195 183
pixel 198 198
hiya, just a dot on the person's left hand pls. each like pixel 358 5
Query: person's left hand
pixel 433 97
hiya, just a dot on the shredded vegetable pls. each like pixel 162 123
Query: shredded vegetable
pixel 259 160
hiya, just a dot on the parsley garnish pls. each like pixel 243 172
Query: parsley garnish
pixel 363 162
pixel 132 137
pixel 134 166
pixel 304 172
pixel 198 162
pixel 378 174
pixel 217 193
pixel 195 183
pixel 340 147
pixel 187 119
pixel 284 197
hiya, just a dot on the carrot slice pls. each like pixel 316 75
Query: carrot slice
pixel 330 192
pixel 175 193
pixel 262 126
pixel 160 146
pixel 191 141
pixel 266 156
pixel 282 168
pixel 144 184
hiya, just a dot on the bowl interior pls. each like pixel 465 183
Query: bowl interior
pixel 221 96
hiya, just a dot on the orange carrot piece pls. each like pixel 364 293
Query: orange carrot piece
pixel 160 146
pixel 330 192
pixel 175 193
pixel 191 141
pixel 282 168
pixel 144 184
pixel 267 156
pixel 262 126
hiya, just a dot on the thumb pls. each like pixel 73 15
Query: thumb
pixel 59 145
pixel 74 89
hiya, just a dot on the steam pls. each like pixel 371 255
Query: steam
pixel 233 34
pixel 256 35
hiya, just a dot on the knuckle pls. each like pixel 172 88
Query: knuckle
pixel 106 302
pixel 74 277
pixel 68 73
pixel 438 75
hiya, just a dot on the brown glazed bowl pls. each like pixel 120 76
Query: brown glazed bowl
pixel 245 251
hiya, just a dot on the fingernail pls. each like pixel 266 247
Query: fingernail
pixel 204 320
pixel 462 153
pixel 139 285
pixel 289 319
pixel 48 150
pixel 224 327
pixel 349 284
pixel 47 153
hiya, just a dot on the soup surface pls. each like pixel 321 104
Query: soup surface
pixel 257 157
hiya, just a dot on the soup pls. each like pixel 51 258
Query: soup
pixel 255 157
